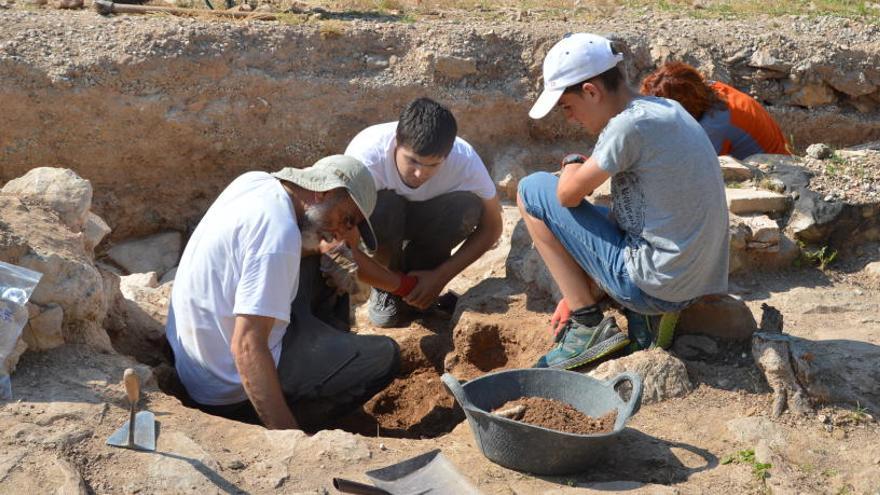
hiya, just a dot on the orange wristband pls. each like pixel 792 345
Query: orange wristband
pixel 407 284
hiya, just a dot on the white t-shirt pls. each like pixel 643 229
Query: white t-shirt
pixel 243 258
pixel 463 170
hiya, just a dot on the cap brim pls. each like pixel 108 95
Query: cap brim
pixel 545 103
pixel 367 234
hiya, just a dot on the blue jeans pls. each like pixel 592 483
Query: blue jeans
pixel 593 240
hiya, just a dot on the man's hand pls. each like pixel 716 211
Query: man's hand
pixel 560 317
pixel 427 290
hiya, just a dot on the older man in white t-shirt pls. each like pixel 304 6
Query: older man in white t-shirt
pixel 434 193
pixel 247 342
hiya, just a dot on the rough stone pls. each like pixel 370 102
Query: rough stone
pixel 526 264
pixel 44 331
pixel 507 171
pixel 765 59
pixel 837 371
pixel 763 229
pixel 664 376
pixel 752 429
pixel 11 361
pixel 733 170
pixel 67 4
pixel 873 269
pixel 35 238
pixel 720 316
pixel 694 347
pixel 454 68
pixel 59 189
pixel 94 231
pixel 772 354
pixel 742 201
pixel 813 95
pixel 129 284
pixel 813 218
pixel 157 253
pixel 763 453
pixel 819 151
pixel 138 319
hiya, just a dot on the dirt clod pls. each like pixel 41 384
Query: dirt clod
pixel 559 416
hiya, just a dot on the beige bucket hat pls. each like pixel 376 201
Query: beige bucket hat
pixel 336 171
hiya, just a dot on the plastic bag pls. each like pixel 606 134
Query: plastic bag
pixel 16 286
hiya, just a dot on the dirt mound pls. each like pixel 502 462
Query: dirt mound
pixel 559 416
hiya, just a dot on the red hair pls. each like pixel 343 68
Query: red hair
pixel 680 82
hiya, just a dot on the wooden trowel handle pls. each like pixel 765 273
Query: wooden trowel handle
pixel 132 386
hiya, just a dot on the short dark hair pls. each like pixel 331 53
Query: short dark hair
pixel 611 79
pixel 427 128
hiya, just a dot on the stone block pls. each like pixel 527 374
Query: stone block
pixel 454 68
pixel 664 376
pixel 95 229
pixel 733 170
pixel 156 253
pixel 763 229
pixel 507 171
pixel 720 316
pixel 59 189
pixel 742 201
pixel 44 331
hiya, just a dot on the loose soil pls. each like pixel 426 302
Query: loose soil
pixel 559 416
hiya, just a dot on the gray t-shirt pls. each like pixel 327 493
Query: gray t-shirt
pixel 668 196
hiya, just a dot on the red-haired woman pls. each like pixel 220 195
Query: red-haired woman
pixel 736 124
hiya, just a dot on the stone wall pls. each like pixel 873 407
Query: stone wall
pixel 159 114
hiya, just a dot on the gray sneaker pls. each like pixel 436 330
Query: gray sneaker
pixel 386 310
pixel 581 344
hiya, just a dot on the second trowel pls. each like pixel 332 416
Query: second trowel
pixel 139 432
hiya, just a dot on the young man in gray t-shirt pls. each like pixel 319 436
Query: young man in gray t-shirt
pixel 665 242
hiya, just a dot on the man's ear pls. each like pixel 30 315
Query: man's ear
pixel 591 90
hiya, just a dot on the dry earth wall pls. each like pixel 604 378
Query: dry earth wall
pixel 160 113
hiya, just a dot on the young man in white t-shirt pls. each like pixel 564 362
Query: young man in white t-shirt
pixel 433 193
pixel 242 325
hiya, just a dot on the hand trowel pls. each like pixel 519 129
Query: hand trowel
pixel 139 432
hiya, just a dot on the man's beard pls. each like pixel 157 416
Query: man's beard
pixel 312 227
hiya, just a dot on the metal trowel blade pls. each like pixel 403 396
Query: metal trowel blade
pixel 144 433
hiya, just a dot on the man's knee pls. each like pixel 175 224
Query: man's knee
pixel 387 359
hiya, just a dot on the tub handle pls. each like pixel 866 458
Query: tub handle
pixel 635 398
pixel 457 391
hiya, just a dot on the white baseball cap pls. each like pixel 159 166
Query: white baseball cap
pixel 575 58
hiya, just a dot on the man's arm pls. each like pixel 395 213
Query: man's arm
pixel 372 273
pixel 579 180
pixel 432 282
pixel 259 376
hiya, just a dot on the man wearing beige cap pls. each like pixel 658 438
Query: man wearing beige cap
pixel 665 241
pixel 250 338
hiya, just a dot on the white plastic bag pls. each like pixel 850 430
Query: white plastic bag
pixel 16 286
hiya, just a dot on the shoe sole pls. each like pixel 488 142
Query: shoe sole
pixel 603 349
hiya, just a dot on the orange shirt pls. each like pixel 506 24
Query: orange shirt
pixel 744 128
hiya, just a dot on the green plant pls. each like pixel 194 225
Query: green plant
pixel 760 470
pixel 823 256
